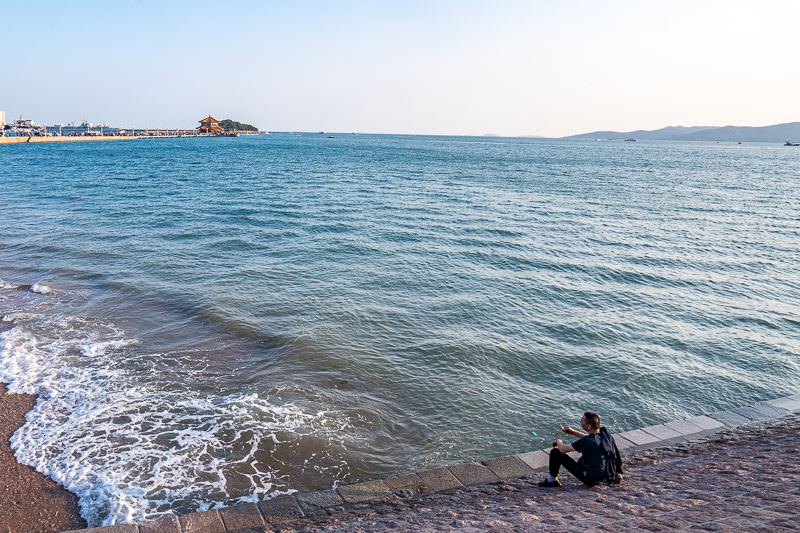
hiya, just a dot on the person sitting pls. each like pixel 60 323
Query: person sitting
pixel 600 461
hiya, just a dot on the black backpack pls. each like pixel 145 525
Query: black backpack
pixel 613 458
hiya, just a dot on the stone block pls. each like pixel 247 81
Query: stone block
pixel 167 524
pixel 769 411
pixel 537 460
pixel 280 509
pixel 241 516
pixel 785 403
pixel 204 522
pixel 472 473
pixel 622 442
pixel 639 437
pixel 362 492
pixel 508 466
pixel 314 501
pixel 662 432
pixel 706 422
pixel 684 427
pixel 439 479
pixel 405 481
pixel 731 418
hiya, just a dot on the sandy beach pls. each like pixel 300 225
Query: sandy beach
pixel 29 501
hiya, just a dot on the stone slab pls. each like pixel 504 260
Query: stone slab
pixel 622 443
pixel 785 403
pixel 203 522
pixel 439 479
pixel 168 524
pixel 508 466
pixel 537 460
pixel 472 473
pixel 241 516
pixel 314 501
pixel 639 437
pixel 706 422
pixel 362 492
pixel 684 427
pixel 405 481
pixel 730 418
pixel 280 509
pixel 662 432
pixel 768 411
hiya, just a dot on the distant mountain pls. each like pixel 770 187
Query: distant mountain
pixel 777 133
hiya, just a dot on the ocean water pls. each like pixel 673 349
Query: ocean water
pixel 213 321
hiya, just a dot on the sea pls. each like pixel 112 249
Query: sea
pixel 212 321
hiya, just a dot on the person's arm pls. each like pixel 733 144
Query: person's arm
pixel 574 432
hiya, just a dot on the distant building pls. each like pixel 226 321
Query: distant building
pixel 24 123
pixel 210 125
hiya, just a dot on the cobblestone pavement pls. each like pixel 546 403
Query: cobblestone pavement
pixel 747 479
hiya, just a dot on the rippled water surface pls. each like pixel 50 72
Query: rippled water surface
pixel 209 321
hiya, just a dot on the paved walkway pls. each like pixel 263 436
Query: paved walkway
pixel 745 479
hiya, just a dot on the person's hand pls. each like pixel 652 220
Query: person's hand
pixel 568 430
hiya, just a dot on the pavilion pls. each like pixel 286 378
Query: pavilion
pixel 210 125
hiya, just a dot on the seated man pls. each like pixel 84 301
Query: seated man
pixel 600 461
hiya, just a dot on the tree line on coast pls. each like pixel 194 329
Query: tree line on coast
pixel 232 125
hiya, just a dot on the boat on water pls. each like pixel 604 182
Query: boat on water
pixel 630 139
pixel 789 143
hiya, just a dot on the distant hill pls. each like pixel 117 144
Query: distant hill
pixel 776 133
pixel 232 125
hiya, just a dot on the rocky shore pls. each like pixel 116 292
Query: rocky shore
pixel 29 501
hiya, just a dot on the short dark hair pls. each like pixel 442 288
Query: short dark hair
pixel 592 419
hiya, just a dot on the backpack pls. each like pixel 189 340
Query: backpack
pixel 613 458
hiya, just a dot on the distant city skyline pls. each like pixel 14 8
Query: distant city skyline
pixel 508 68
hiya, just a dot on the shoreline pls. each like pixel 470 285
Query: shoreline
pixel 422 498
pixel 30 502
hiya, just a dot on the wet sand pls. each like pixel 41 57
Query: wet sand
pixel 29 501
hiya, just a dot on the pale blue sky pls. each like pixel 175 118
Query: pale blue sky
pixel 433 67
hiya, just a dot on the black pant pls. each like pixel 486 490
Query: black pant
pixel 558 459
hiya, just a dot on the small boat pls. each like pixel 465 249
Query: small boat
pixel 789 143
pixel 630 139
pixel 331 137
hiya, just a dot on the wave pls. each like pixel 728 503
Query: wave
pixel 130 443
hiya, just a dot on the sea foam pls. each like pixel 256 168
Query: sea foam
pixel 129 448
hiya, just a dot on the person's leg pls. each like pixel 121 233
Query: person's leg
pixel 558 459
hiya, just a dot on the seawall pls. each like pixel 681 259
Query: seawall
pixel 21 140
pixel 405 487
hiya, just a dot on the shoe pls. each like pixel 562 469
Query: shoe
pixel 545 483
pixel 617 480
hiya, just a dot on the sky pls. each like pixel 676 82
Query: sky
pixel 533 67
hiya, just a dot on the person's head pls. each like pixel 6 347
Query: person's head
pixel 590 421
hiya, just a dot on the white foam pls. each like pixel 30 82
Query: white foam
pixel 6 285
pixel 41 289
pixel 132 449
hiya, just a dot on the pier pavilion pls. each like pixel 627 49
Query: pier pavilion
pixel 210 125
